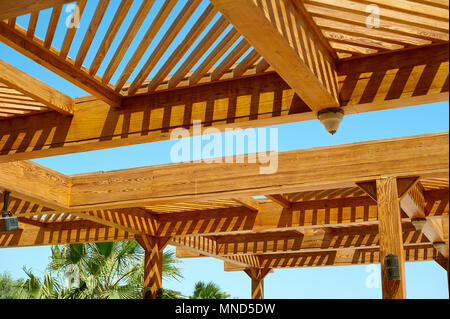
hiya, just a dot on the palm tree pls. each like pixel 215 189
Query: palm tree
pixel 208 291
pixel 9 288
pixel 98 271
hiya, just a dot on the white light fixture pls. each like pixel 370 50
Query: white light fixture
pixel 331 118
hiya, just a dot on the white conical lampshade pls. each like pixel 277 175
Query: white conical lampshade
pixel 331 119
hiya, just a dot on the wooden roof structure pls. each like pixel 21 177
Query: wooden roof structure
pixel 230 63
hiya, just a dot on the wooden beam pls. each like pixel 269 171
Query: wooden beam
pixel 257 276
pixel 426 156
pixel 311 240
pixel 291 46
pixel 76 232
pixel 35 89
pixel 150 118
pixel 343 257
pixel 423 155
pixel 396 79
pixel 36 183
pixel 12 9
pixel 405 78
pixel 391 240
pixel 272 218
pixel 414 205
pixel 248 202
pixel 17 39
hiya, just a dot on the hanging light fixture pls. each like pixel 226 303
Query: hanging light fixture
pixel 331 118
pixel 8 222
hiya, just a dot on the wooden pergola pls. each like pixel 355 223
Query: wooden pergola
pixel 242 63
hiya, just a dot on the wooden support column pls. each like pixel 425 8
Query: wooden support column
pixel 153 247
pixel 391 240
pixel 257 275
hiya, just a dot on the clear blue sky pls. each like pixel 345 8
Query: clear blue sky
pixel 423 280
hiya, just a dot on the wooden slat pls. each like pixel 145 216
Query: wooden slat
pixel 198 52
pixel 50 59
pixel 184 46
pixel 92 30
pixel 68 39
pixel 51 29
pixel 229 60
pixel 415 156
pixel 214 56
pixel 127 39
pixel 114 27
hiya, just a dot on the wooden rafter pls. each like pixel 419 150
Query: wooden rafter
pixel 37 90
pixel 16 37
pixel 310 71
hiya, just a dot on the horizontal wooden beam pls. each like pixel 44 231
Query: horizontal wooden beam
pixel 133 220
pixel 12 9
pixel 289 44
pixel 393 80
pixel 256 101
pixel 340 258
pixel 39 91
pixel 34 49
pixel 273 218
pixel 343 257
pixel 310 240
pixel 425 156
pixel 36 184
pixel 76 232
pixel 404 78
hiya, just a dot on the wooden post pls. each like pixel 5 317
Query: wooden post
pixel 153 247
pixel 391 239
pixel 257 275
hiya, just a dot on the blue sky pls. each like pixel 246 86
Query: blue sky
pixel 423 280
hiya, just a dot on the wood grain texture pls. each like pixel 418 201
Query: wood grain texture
pixel 391 240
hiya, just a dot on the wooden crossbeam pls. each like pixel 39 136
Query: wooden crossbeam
pixel 76 232
pixel 12 9
pixel 343 257
pixel 283 202
pixel 425 156
pixel 289 44
pixel 133 220
pixel 414 205
pixel 405 78
pixel 398 79
pixel 35 50
pixel 35 89
pixel 272 217
pixel 96 125
pixel 312 240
